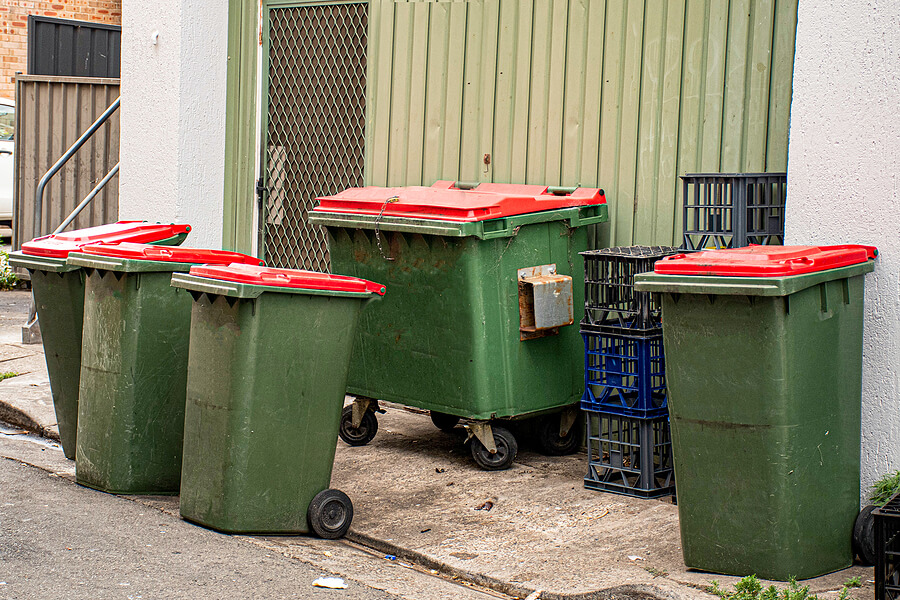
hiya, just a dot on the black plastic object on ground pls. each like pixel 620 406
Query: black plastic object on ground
pixel 887 550
pixel 732 210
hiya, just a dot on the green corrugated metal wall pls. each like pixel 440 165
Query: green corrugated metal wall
pixel 624 95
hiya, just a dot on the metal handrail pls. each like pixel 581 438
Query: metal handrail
pixel 39 194
pixel 87 199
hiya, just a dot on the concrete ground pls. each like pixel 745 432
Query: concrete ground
pixel 422 528
pixel 60 540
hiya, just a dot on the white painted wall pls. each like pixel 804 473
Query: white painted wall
pixel 844 182
pixel 173 114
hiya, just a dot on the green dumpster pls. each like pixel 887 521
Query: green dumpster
pixel 134 365
pixel 269 354
pixel 763 353
pixel 479 322
pixel 58 290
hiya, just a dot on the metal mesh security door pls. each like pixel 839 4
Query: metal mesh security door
pixel 315 124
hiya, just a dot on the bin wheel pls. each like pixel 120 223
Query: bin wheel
pixel 443 421
pixel 507 449
pixel 550 441
pixel 864 535
pixel 357 436
pixel 330 513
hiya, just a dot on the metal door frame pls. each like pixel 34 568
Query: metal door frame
pixel 262 186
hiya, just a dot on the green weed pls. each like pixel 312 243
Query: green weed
pixel 884 488
pixel 8 279
pixel 853 582
pixel 8 375
pixel 750 588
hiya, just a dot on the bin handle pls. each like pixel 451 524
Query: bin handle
pixel 275 277
pixel 803 261
pixel 558 190
pixel 466 185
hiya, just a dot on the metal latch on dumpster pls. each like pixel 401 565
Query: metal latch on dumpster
pixel 545 301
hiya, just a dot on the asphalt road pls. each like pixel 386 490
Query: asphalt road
pixel 59 540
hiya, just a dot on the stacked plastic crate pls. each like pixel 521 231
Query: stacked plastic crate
pixel 887 550
pixel 732 210
pixel 629 447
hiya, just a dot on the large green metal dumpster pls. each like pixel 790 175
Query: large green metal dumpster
pixel 58 290
pixel 134 365
pixel 763 364
pixel 270 350
pixel 479 320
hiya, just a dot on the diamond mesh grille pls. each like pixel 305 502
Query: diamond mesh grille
pixel 316 124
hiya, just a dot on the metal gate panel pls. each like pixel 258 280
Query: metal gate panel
pixel 51 113
pixel 315 123
pixel 68 48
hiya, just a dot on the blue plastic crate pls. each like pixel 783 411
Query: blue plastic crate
pixel 624 373
pixel 629 455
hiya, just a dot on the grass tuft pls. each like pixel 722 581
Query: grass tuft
pixel 750 588
pixel 885 488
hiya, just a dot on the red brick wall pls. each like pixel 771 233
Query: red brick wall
pixel 14 28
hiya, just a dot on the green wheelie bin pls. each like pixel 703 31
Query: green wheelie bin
pixel 58 290
pixel 269 355
pixel 134 357
pixel 479 321
pixel 763 349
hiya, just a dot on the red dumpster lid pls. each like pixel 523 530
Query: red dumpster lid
pixel 765 261
pixel 288 278
pixel 169 254
pixel 446 202
pixel 59 245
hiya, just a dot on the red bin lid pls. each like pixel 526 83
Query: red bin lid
pixel 169 254
pixel 765 261
pixel 287 278
pixel 60 244
pixel 444 201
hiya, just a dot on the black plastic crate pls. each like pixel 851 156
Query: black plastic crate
pixel 887 550
pixel 629 455
pixel 624 372
pixel 609 295
pixel 732 210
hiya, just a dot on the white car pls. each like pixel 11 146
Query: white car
pixel 7 129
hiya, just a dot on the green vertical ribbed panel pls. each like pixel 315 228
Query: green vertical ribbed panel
pixel 623 95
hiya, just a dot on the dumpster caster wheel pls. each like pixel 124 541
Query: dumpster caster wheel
pixel 357 436
pixel 443 421
pixel 553 444
pixel 507 448
pixel 330 514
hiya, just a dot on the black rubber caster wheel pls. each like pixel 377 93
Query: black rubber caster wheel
pixel 443 421
pixel 864 535
pixel 550 441
pixel 507 449
pixel 330 513
pixel 357 436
